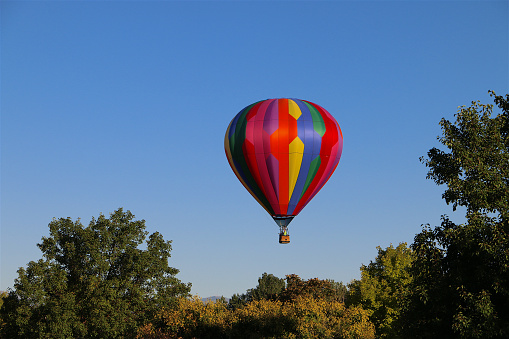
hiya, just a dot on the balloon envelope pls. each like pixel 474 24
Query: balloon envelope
pixel 283 151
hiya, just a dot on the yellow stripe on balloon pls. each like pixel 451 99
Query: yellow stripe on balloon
pixel 293 109
pixel 227 142
pixel 296 149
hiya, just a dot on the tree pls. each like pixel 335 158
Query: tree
pixel 476 169
pixel 339 290
pixel 92 281
pixel 313 288
pixel 237 301
pixel 461 272
pixel 3 295
pixel 383 287
pixel 269 287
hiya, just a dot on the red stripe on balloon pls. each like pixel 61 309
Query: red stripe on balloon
pixel 249 147
pixel 262 150
pixel 329 140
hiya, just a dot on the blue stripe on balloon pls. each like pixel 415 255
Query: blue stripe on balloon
pixel 242 112
pixel 306 134
pixel 233 126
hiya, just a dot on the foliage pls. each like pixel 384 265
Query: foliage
pixel 314 288
pixel 269 287
pixel 261 318
pixel 476 169
pixel 92 281
pixel 383 287
pixel 339 290
pixel 304 317
pixel 461 272
pixel 3 295
pixel 190 318
pixel 321 318
pixel 237 300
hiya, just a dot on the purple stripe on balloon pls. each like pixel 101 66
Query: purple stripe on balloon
pixel 273 167
pixel 271 122
pixel 262 149
pixel 258 120
pixel 263 108
pixel 270 194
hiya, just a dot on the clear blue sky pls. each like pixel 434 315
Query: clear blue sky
pixel 125 104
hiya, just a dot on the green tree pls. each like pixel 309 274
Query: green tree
pixel 237 301
pixel 3 295
pixel 461 272
pixel 382 288
pixel 92 282
pixel 268 288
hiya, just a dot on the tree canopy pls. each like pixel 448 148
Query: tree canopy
pixel 93 281
pixel 383 287
pixel 460 282
pixel 476 167
pixel 269 287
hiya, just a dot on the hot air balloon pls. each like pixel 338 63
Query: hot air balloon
pixel 283 151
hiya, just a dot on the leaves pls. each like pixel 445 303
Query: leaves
pixel 93 281
pixel 304 317
pixel 269 287
pixel 383 286
pixel 460 284
pixel 476 170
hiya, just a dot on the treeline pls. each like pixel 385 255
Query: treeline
pixel 95 282
pixel 452 282
pixel 301 309
pixel 372 307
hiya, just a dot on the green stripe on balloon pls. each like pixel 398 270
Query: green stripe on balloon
pixel 318 123
pixel 313 168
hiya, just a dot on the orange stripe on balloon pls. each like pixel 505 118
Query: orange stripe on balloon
pixel 284 152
